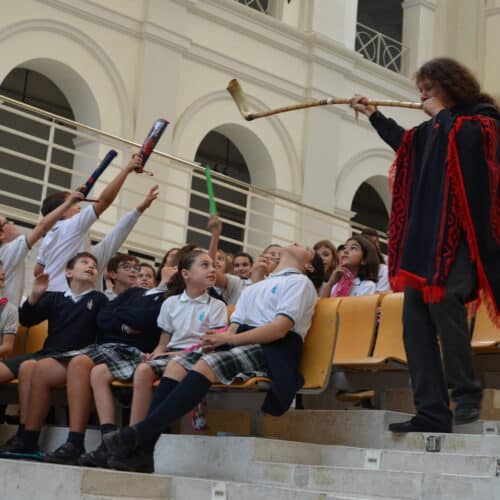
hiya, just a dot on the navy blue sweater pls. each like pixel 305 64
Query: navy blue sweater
pixel 135 310
pixel 71 325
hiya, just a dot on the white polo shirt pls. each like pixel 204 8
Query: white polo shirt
pixel 12 255
pixel 9 319
pixel 112 242
pixel 365 287
pixel 186 318
pixel 383 279
pixel 288 292
pixel 234 287
pixel 67 238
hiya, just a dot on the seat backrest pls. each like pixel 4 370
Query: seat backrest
pixel 36 336
pixel 19 342
pixel 484 328
pixel 319 344
pixel 389 342
pixel 356 330
pixel 230 311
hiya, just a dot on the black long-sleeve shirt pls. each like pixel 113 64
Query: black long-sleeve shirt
pixel 135 310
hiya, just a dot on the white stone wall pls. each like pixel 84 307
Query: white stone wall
pixel 124 63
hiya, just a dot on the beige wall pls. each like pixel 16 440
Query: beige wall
pixel 124 63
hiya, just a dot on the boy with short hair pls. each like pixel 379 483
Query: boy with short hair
pixel 14 246
pixel 70 235
pixel 72 324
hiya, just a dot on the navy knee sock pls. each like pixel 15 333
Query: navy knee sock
pixel 20 429
pixel 76 438
pixel 166 386
pixel 30 440
pixel 184 397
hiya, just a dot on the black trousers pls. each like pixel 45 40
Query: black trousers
pixel 433 370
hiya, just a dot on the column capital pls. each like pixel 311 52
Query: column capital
pixel 430 4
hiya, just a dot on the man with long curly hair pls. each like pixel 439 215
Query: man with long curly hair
pixel 444 238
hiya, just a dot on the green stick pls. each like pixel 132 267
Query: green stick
pixel 210 191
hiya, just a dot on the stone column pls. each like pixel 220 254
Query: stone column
pixel 419 17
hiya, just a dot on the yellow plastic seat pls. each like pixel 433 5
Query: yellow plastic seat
pixel 486 335
pixel 389 353
pixel 36 336
pixel 356 328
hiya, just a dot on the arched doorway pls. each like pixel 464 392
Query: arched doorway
pixel 370 209
pixel 219 153
pixel 30 146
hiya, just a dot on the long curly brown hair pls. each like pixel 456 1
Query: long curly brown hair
pixel 457 80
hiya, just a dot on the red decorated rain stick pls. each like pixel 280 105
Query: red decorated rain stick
pixel 152 139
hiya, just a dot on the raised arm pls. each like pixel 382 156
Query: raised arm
pixel 215 228
pixel 109 194
pixel 46 223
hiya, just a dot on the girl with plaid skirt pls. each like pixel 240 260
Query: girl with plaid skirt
pixel 187 313
pixel 265 337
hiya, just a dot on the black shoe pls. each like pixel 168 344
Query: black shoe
pixel 466 414
pixel 66 454
pixel 97 458
pixel 14 442
pixel 18 449
pixel 414 425
pixel 137 461
pixel 121 442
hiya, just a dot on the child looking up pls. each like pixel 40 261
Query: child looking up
pixel 357 271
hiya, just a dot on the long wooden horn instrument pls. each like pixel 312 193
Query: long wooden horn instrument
pixel 234 88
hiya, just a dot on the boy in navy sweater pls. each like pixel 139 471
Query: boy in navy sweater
pixel 72 324
pixel 128 329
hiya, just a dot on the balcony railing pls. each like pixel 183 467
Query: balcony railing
pixel 263 6
pixel 379 48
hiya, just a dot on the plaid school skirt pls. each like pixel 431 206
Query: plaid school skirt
pixel 237 363
pixel 121 359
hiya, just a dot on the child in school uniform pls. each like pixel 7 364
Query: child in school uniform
pixel 357 272
pixel 14 246
pixel 187 313
pixel 8 319
pixel 72 324
pixel 70 235
pixel 128 329
pixel 266 336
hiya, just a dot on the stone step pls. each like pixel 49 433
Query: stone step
pixel 26 480
pixel 233 457
pixel 368 429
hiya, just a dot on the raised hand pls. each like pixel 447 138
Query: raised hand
pixel 39 287
pixel 150 197
pixel 360 105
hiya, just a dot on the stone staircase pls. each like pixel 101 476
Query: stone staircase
pixel 320 455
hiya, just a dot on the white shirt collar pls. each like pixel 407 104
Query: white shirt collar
pixel 286 271
pixel 202 299
pixel 76 298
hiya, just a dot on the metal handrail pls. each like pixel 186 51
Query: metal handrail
pixel 187 163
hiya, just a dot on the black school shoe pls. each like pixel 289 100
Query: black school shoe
pixel 121 442
pixel 415 425
pixel 14 442
pixel 136 461
pixel 15 448
pixel 66 454
pixel 97 458
pixel 466 414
